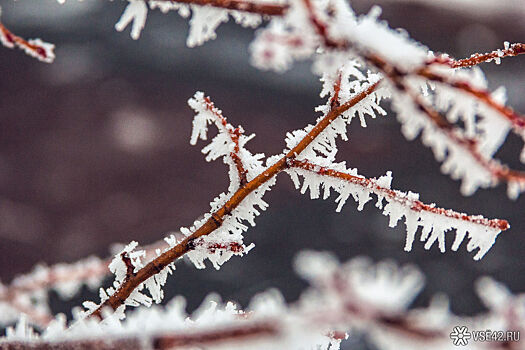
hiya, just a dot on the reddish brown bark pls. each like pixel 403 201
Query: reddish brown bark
pixel 239 5
pixel 478 58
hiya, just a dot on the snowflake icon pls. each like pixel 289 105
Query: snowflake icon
pixel 460 335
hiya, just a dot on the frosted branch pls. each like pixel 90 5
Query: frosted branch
pixel 509 50
pixel 435 221
pixel 225 221
pixel 256 7
pixel 33 47
pixel 355 297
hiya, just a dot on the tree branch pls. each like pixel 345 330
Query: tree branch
pixel 497 170
pixel 172 340
pixel 234 134
pixel 34 47
pixel 215 221
pixel 478 58
pixel 43 279
pixel 239 5
pixel 517 120
pixel 397 196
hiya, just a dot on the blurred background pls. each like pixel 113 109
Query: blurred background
pixel 94 149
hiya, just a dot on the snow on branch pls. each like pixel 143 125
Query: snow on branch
pixel 434 221
pixel 351 94
pixel 33 47
pixel 229 143
pixel 496 117
pixel 495 56
pixel 206 15
pixel 28 293
pixel 466 153
pixel 343 300
pixel 225 223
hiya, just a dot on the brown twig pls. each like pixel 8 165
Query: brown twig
pixel 517 120
pixel 32 47
pixel 216 219
pixel 239 5
pixel 130 268
pixel 234 134
pixel 399 197
pixel 478 58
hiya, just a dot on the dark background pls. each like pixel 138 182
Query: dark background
pixel 94 149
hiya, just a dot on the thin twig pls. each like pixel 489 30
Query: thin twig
pixel 34 48
pixel 517 120
pixel 478 58
pixel 234 134
pixel 239 5
pixel 322 29
pixel 399 197
pixel 46 278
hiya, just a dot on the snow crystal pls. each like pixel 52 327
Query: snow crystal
pixel 245 19
pixel 493 294
pixel 135 13
pixel 22 330
pixel 166 6
pixel 204 21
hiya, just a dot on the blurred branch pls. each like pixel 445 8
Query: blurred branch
pixel 261 8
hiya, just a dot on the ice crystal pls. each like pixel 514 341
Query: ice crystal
pixel 135 13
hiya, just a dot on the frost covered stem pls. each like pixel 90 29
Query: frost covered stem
pixel 36 48
pixel 496 169
pixel 322 29
pixel 237 333
pixel 477 58
pixel 234 136
pixel 216 219
pixel 517 120
pixel 239 5
pixel 415 205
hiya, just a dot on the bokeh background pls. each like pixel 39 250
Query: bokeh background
pixel 94 149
